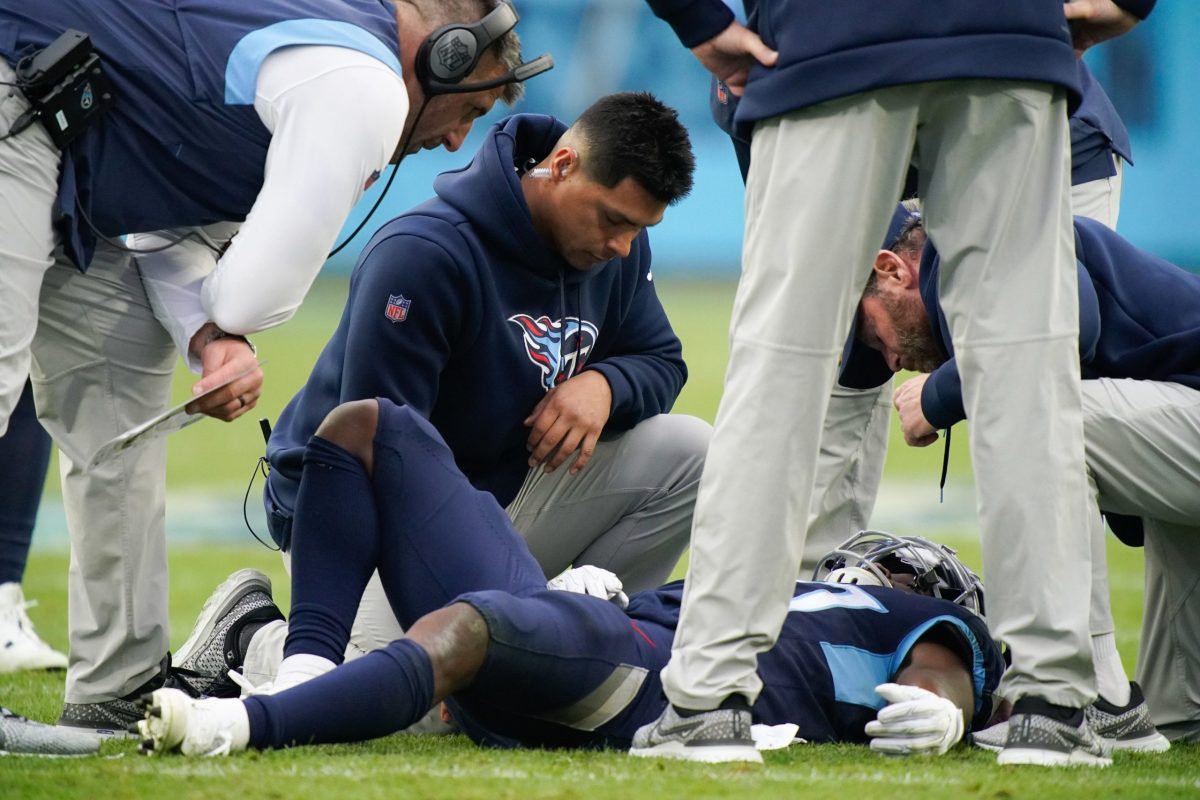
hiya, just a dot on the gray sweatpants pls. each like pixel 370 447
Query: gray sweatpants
pixel 629 511
pixel 995 191
pixel 1142 457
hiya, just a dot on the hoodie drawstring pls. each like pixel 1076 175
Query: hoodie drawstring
pixel 945 469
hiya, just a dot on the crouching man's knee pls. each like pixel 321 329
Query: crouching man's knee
pixel 351 426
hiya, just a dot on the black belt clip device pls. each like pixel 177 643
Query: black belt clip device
pixel 65 86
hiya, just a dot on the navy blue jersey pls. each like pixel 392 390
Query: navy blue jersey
pixel 598 668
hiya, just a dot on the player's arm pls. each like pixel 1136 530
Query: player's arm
pixel 931 701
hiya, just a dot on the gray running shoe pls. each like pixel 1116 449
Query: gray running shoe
pixel 112 718
pixel 212 649
pixel 26 737
pixel 1036 738
pixel 1127 727
pixel 710 736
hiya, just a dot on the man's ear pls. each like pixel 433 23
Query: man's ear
pixel 895 271
pixel 889 268
pixel 563 161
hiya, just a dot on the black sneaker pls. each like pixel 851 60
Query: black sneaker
pixel 1127 727
pixel 214 646
pixel 112 718
pixel 1051 736
pixel 709 736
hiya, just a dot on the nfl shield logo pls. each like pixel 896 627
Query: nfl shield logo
pixel 397 308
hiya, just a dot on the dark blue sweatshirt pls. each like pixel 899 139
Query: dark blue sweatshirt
pixel 1097 132
pixel 458 309
pixel 182 145
pixel 829 49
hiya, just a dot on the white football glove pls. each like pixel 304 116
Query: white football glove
pixel 914 721
pixel 592 581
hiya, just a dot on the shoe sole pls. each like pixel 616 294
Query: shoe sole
pixel 1151 743
pixel 223 600
pixel 1010 756
pixel 106 732
pixel 165 723
pixel 706 754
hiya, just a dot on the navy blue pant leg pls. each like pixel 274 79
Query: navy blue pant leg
pixel 24 458
pixel 562 670
pixel 439 536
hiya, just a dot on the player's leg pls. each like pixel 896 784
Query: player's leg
pixel 823 183
pixel 849 469
pixel 102 364
pixel 383 692
pixel 380 490
pixel 628 511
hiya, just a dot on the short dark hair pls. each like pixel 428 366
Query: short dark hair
pixel 633 135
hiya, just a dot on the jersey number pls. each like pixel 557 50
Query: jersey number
pixel 845 596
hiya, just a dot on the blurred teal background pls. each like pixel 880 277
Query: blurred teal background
pixel 602 46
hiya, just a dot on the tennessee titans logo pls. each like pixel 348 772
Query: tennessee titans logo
pixel 559 351
pixel 87 98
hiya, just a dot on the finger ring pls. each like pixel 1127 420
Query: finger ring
pixel 242 400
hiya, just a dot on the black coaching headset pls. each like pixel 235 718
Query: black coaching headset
pixel 444 59
pixel 451 53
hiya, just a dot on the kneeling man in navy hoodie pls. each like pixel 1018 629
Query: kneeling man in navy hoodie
pixel 517 312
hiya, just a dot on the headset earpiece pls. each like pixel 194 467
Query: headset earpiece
pixel 452 52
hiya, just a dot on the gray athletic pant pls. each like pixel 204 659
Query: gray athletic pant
pixel 1143 461
pixel 854 441
pixel 629 511
pixel 994 184
pixel 100 364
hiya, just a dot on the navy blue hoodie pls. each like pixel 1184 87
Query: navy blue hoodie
pixel 835 49
pixel 460 310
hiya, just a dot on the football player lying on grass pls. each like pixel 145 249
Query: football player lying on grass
pixel 520 665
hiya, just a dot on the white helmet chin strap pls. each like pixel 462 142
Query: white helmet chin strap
pixel 858 577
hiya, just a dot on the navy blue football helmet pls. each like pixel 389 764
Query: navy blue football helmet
pixel 875 558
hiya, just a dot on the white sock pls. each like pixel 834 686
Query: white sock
pixel 241 724
pixel 295 670
pixel 1111 681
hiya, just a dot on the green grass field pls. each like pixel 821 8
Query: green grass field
pixel 212 461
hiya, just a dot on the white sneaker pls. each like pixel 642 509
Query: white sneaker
pixel 20 647
pixel 209 727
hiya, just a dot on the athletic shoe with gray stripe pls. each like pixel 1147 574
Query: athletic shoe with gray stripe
pixel 1035 737
pixel 1127 728
pixel 213 647
pixel 710 736
pixel 26 737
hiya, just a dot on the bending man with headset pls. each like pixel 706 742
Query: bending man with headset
pixel 278 114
